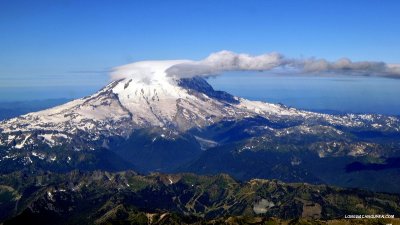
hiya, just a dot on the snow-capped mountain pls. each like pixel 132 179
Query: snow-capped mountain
pixel 171 109
pixel 154 101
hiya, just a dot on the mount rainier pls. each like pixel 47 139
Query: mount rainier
pixel 153 121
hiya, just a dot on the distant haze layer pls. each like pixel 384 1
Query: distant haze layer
pixel 336 94
pixel 329 94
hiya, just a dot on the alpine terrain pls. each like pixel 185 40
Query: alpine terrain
pixel 154 122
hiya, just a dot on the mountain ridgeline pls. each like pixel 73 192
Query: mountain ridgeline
pixel 129 198
pixel 161 123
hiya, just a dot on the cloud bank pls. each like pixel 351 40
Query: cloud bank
pixel 224 61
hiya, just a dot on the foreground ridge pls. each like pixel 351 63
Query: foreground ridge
pixel 127 197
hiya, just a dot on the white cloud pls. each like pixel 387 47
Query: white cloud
pixel 343 66
pixel 144 70
pixel 222 61
pixel 227 61
pixel 219 62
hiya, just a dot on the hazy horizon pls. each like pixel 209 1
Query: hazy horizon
pixel 339 94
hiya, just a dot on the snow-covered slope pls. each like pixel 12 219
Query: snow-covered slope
pixel 144 97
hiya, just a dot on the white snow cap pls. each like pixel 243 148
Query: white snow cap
pixel 219 62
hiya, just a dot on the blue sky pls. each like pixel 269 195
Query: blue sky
pixel 73 43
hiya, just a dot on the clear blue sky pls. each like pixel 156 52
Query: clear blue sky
pixel 73 43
